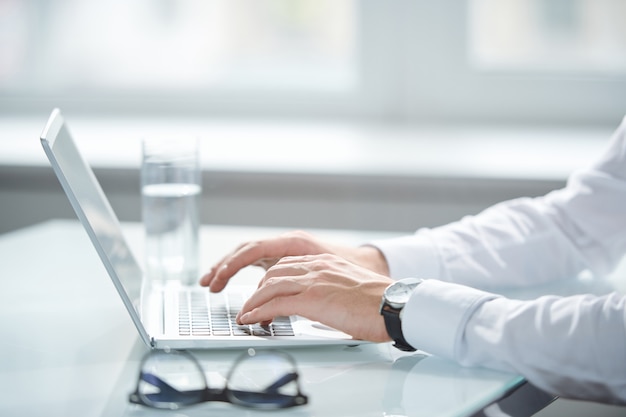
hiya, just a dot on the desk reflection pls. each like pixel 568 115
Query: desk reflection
pixel 367 380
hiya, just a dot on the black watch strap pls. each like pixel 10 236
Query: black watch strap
pixel 394 328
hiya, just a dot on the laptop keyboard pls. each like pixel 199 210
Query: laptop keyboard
pixel 202 313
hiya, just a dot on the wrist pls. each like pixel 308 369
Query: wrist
pixel 392 306
pixel 373 259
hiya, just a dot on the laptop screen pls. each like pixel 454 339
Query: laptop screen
pixel 93 209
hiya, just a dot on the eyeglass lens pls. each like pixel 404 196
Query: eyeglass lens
pixel 171 379
pixel 264 380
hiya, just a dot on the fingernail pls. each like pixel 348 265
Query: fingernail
pixel 244 318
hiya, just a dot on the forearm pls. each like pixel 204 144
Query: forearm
pixel 512 244
pixel 530 240
pixel 574 346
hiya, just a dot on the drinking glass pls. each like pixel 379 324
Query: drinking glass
pixel 171 190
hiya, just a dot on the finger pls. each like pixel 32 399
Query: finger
pixel 289 266
pixel 265 263
pixel 207 278
pixel 248 254
pixel 271 291
pixel 276 307
pixel 245 255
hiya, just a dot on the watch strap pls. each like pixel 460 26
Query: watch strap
pixel 394 328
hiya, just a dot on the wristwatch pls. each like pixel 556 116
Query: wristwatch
pixel 394 299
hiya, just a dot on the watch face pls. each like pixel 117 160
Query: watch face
pixel 398 294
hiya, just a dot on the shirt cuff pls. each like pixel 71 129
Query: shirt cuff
pixel 412 256
pixel 434 318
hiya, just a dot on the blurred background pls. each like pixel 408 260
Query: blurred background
pixel 314 113
pixel 476 61
pixel 382 115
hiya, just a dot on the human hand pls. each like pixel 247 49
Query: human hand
pixel 324 288
pixel 267 252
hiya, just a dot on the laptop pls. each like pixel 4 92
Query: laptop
pixel 169 317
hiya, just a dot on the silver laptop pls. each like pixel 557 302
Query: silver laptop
pixel 170 317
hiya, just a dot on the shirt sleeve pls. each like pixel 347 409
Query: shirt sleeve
pixel 528 241
pixel 574 346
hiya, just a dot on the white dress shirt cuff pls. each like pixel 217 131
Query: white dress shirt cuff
pixel 436 314
pixel 412 256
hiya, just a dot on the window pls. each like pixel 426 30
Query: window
pixel 118 49
pixel 474 61
pixel 573 36
pixel 517 61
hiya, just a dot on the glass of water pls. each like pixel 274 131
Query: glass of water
pixel 170 189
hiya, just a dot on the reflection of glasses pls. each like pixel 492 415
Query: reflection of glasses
pixel 262 380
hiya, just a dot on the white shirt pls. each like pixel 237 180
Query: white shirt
pixel 571 346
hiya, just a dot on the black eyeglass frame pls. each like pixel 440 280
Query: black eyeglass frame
pixel 268 399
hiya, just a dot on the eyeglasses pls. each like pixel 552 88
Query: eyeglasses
pixel 259 379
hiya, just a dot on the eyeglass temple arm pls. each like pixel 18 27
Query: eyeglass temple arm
pixel 282 381
pixel 163 386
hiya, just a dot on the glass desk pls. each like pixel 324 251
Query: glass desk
pixel 68 347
